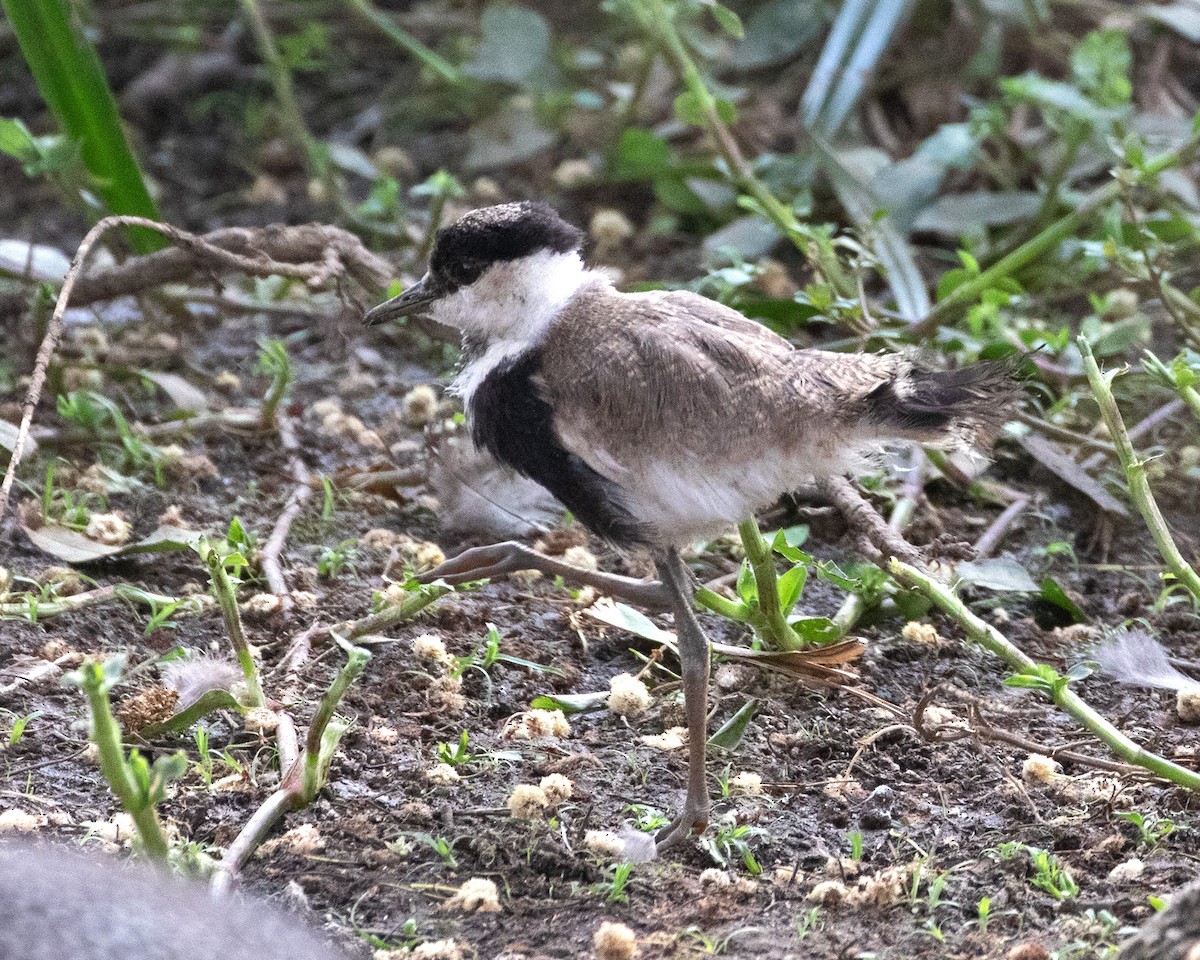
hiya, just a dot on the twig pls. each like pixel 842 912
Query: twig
pixel 270 560
pixel 385 619
pixel 864 520
pixel 1060 693
pixel 315 254
pixel 854 606
pixel 1135 474
pixel 995 533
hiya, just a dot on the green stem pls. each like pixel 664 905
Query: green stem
pixel 1067 700
pixel 227 601
pixel 406 41
pixel 106 734
pixel 323 736
pixel 1135 473
pixel 1054 234
pixel 657 21
pixel 723 607
pixel 762 564
pixel 291 119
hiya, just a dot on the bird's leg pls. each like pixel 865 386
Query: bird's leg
pixel 694 659
pixel 481 563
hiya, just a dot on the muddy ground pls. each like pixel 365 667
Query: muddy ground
pixel 933 807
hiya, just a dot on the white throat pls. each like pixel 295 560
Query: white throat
pixel 510 308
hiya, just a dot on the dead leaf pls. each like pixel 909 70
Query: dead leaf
pixel 73 547
pixel 183 394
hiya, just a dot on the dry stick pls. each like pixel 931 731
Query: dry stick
pixel 385 619
pixel 1135 474
pixel 995 533
pixel 1071 703
pixel 326 251
pixel 885 535
pixel 271 566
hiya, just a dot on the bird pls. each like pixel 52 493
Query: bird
pixel 659 418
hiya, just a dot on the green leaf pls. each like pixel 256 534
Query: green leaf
pixel 1053 593
pixel 691 107
pixel 16 140
pixel 747 586
pixel 816 630
pixel 570 702
pixel 209 702
pixel 515 45
pixel 730 735
pixel 791 586
pixel 72 82
pixel 730 22
pixel 640 155
pixel 776 32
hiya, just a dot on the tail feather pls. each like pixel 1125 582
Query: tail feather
pixel 964 407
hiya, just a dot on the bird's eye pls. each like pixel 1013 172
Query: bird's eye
pixel 467 270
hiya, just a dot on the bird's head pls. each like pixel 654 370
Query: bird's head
pixel 495 272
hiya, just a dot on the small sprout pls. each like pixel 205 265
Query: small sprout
pixel 419 407
pixel 605 844
pixel 673 738
pixel 746 783
pixel 923 633
pixel 609 229
pixel 477 895
pixel 443 774
pixel 528 802
pixel 110 528
pixel 614 941
pixel 430 647
pixel 628 696
pixel 1127 871
pixel 1039 769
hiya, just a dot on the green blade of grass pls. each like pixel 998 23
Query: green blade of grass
pixel 72 81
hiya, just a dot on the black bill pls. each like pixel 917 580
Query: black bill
pixel 413 300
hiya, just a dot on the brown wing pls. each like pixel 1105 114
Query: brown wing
pixel 683 376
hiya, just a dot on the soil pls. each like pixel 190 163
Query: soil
pixel 933 810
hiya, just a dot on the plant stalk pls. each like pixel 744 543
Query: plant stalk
pixel 106 734
pixel 1067 700
pixel 1135 474
pixel 227 601
pixel 762 563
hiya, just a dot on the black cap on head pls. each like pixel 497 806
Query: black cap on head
pixel 482 238
pixel 466 248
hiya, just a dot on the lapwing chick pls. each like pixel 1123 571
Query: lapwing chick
pixel 659 418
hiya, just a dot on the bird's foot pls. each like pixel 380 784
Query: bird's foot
pixel 482 563
pixel 691 822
